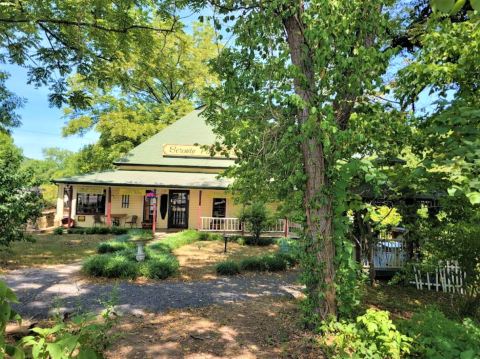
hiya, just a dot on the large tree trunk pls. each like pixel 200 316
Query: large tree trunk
pixel 318 202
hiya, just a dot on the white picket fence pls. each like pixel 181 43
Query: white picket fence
pixel 448 277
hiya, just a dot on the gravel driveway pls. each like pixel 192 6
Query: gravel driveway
pixel 42 290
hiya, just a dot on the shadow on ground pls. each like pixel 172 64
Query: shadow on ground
pixel 267 327
pixel 41 291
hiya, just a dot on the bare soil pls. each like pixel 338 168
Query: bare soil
pixel 265 327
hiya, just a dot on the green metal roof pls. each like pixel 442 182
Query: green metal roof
pixel 188 130
pixel 150 179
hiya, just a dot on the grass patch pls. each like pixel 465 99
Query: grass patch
pixel 49 249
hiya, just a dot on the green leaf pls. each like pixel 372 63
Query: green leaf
pixel 475 4
pixel 55 350
pixel 467 354
pixel 87 353
pixel 443 5
pixel 474 197
pixel 14 352
pixel 458 6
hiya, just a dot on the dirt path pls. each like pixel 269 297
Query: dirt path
pixel 43 290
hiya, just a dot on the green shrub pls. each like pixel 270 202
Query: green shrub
pixel 253 264
pixel 77 230
pixel 95 265
pixel 227 268
pixel 118 230
pixel 98 230
pixel 261 241
pixel 241 241
pixel 159 267
pixel 275 263
pixel 203 236
pixel 256 219
pixel 139 234
pixel 120 266
pixel 290 259
pixel 58 231
pixel 118 260
pixel 116 265
pixel 94 230
pixel 112 246
pixel 373 335
pixel 436 336
pixel 103 230
pixel 272 263
pixel 91 230
pixel 216 237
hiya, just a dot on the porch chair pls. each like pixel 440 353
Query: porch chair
pixel 97 219
pixel 132 221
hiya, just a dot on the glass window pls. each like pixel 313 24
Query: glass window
pixel 125 200
pixel 88 203
pixel 219 207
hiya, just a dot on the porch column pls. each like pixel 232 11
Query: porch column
pixel 154 221
pixel 109 206
pixel 199 209
pixel 70 204
pixel 286 228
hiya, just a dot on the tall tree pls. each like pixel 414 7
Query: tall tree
pixel 297 78
pixel 56 163
pixel 19 201
pixel 143 94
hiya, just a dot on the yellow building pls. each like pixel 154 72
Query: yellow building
pixel 167 182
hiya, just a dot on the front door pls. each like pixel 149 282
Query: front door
pixel 178 209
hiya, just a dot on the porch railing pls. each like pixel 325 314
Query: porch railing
pixel 232 224
pixel 216 224
pixel 389 254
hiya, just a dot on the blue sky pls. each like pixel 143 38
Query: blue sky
pixel 41 124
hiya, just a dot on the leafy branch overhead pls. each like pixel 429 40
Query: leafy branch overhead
pixel 57 38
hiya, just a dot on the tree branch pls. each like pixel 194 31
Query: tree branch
pixel 89 24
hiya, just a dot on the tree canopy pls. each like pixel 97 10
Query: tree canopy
pixel 143 95
pixel 20 200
